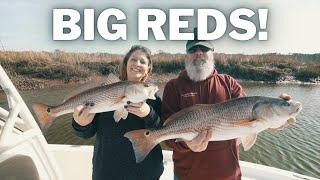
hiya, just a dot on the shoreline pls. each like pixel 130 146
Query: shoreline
pixel 25 83
pixel 38 70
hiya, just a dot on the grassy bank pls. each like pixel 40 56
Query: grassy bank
pixel 39 67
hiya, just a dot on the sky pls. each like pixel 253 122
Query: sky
pixel 293 26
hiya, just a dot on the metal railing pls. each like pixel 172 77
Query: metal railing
pixel 27 124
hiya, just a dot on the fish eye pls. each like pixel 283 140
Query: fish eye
pixel 146 85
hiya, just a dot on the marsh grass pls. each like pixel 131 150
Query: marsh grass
pixel 74 66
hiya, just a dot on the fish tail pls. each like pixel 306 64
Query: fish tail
pixel 142 143
pixel 44 114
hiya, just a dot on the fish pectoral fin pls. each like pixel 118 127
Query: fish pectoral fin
pixel 120 113
pixel 248 141
pixel 120 100
pixel 152 96
pixel 124 114
pixel 243 122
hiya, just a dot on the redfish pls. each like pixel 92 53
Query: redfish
pixel 113 95
pixel 241 118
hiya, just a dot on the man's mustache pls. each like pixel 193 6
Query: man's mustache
pixel 201 60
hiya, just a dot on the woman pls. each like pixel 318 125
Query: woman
pixel 113 156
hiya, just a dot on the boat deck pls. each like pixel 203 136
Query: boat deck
pixel 70 156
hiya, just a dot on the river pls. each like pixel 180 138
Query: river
pixel 295 148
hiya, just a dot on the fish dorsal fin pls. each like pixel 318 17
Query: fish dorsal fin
pixel 80 89
pixel 111 78
pixel 179 140
pixel 184 111
pixel 248 141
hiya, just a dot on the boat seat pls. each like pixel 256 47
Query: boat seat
pixel 17 168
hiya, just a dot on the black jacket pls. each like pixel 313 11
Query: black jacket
pixel 113 156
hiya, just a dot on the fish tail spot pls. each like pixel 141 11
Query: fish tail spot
pixel 44 115
pixel 147 133
pixel 141 144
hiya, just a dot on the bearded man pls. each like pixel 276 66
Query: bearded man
pixel 200 83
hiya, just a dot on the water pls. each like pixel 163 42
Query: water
pixel 295 148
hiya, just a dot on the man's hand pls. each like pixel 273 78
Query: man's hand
pixel 81 115
pixel 141 109
pixel 200 142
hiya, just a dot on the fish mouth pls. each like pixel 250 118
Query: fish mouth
pixel 299 107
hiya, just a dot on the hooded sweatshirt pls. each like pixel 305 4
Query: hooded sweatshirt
pixel 221 158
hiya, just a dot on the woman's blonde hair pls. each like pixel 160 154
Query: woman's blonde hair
pixel 123 65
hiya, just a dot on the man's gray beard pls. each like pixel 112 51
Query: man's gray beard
pixel 199 72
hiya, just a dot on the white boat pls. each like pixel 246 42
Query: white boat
pixel 25 154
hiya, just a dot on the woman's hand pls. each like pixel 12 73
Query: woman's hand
pixel 141 109
pixel 200 142
pixel 81 115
